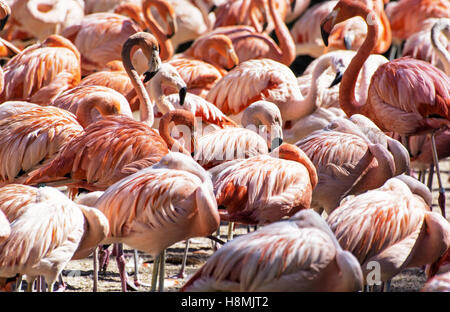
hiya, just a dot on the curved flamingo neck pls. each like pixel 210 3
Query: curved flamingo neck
pixel 146 107
pixel 165 43
pixel 287 52
pixel 179 117
pixel 347 99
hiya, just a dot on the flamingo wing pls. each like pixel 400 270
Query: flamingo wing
pixel 32 137
pixel 270 188
pixel 373 222
pixel 201 108
pixel 100 157
pixel 37 67
pixel 46 232
pixel 410 92
pixel 250 81
pixel 278 257
pixel 227 144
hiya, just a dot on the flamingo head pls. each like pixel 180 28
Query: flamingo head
pixel 344 10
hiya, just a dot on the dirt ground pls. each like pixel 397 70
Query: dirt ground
pixel 78 274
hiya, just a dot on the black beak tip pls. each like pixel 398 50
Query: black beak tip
pixel 170 35
pixel 182 94
pixel 336 80
pixel 149 75
pixel 213 8
pixel 192 154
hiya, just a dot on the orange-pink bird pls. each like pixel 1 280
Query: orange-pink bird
pixel 42 71
pixel 264 188
pixel 391 228
pixel 47 231
pixel 406 95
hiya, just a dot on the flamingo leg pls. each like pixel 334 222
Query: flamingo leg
pixel 387 286
pixel 121 266
pixel 137 282
pixel 183 262
pixel 162 264
pixel 19 283
pixel 104 258
pixel 441 199
pixel 155 272
pixel 95 270
pixel 230 231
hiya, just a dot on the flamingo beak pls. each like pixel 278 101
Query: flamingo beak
pixel 275 143
pixel 172 27
pixel 336 80
pixel 3 22
pixel 182 94
pixel 325 35
pixel 213 8
pixel 149 75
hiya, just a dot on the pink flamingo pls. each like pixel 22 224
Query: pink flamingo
pixel 171 201
pixel 391 226
pixel 31 135
pixel 397 103
pixel 348 161
pixel 431 44
pixel 42 71
pixel 297 254
pixel 264 188
pixel 47 231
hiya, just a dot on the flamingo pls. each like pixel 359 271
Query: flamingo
pixel 441 26
pixel 199 76
pixel 121 143
pixel 349 161
pixel 115 77
pixel 30 136
pixel 408 16
pixel 47 231
pixel 264 188
pixel 250 44
pixel 100 36
pixel 89 103
pixel 391 226
pixel 439 283
pixel 348 35
pixel 429 46
pixel 297 254
pixel 201 65
pixel 260 133
pixel 41 19
pixel 168 80
pixel 259 79
pixel 42 71
pixel 171 201
pixel 96 6
pixel 396 102
pixel 216 49
pixel 319 82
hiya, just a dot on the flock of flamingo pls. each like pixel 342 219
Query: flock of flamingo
pixel 150 122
